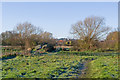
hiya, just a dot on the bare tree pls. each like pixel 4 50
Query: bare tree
pixel 90 30
pixel 25 31
pixel 47 37
pixel 7 38
pixel 112 40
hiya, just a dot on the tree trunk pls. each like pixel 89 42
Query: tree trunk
pixel 27 44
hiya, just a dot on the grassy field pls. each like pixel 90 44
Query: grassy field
pixel 103 67
pixel 60 66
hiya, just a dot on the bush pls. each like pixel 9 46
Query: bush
pixel 50 48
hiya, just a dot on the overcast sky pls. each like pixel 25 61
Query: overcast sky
pixel 56 17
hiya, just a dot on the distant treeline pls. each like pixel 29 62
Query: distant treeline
pixel 89 35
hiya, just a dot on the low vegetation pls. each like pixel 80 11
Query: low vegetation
pixel 104 67
pixel 60 66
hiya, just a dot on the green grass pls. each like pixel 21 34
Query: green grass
pixel 59 66
pixel 87 53
pixel 104 67
pixel 43 66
